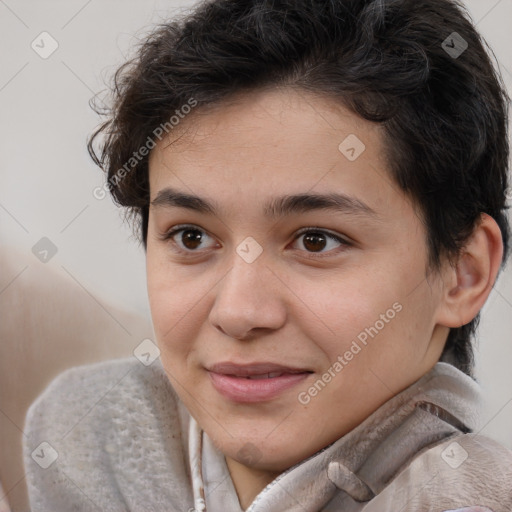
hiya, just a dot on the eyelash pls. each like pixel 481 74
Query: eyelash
pixel 184 227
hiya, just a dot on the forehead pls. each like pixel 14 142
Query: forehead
pixel 272 142
pixel 268 116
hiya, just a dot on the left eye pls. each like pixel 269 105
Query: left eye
pixel 314 240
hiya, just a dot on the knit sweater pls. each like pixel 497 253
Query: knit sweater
pixel 115 437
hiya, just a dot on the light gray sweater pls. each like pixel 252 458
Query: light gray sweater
pixel 114 437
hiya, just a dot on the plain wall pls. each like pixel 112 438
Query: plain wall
pixel 47 177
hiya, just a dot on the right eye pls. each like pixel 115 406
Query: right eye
pixel 190 239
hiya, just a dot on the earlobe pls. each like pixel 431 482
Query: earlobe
pixel 472 278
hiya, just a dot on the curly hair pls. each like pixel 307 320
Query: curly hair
pixel 420 69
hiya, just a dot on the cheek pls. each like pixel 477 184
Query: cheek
pixel 170 300
pixel 172 315
pixel 375 312
pixel 339 310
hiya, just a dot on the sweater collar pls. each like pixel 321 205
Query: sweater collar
pixel 359 464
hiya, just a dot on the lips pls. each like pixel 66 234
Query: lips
pixel 254 382
pixel 254 369
pixel 265 375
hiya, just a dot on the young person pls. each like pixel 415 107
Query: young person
pixel 320 189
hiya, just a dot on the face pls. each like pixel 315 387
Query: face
pixel 284 322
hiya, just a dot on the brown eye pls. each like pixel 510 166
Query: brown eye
pixel 316 240
pixel 191 238
pixel 186 238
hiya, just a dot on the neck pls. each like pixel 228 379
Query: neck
pixel 248 482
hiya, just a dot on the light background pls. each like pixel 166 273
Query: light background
pixel 47 178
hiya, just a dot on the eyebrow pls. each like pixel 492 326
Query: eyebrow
pixel 274 208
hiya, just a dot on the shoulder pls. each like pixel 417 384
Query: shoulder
pixel 473 461
pixel 96 428
pixel 462 471
pixel 111 386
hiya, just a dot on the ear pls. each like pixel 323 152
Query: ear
pixel 469 283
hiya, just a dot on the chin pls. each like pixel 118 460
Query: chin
pixel 261 455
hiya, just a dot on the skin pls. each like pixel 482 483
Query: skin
pixel 291 305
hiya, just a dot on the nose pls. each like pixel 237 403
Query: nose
pixel 249 301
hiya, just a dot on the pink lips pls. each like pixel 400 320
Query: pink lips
pixel 257 382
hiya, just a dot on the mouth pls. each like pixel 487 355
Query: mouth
pixel 257 382
pixel 265 375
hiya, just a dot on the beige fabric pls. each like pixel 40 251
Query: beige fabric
pixel 48 324
pixel 126 444
pixel 408 456
pixel 4 506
